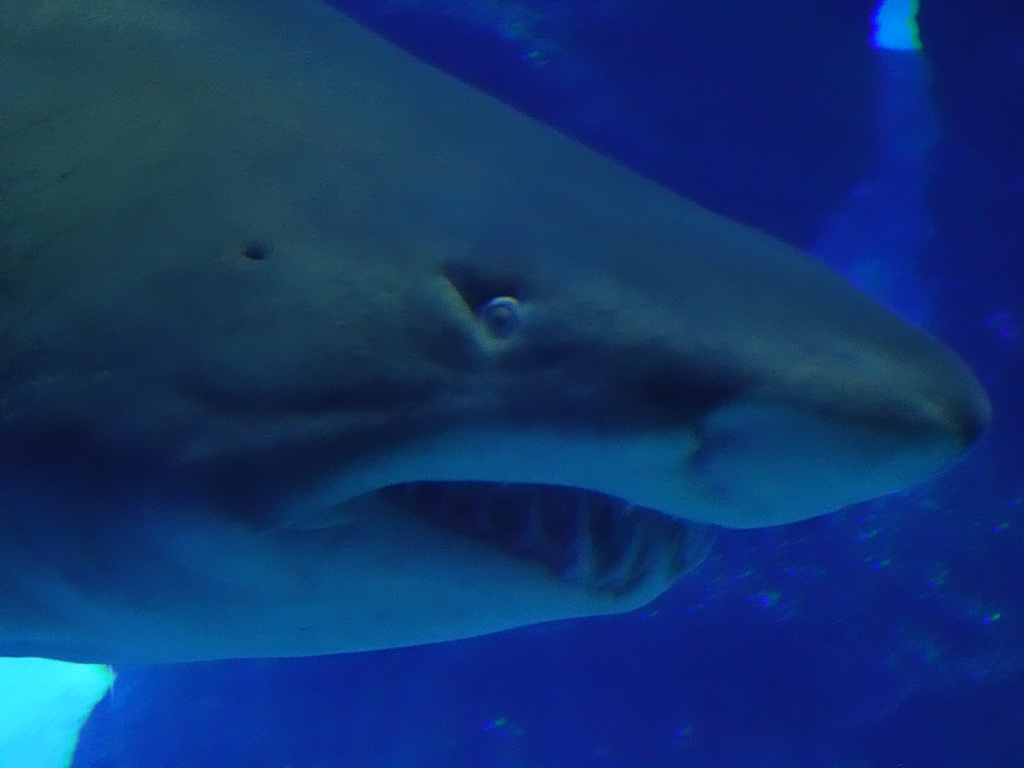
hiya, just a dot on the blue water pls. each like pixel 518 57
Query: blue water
pixel 887 636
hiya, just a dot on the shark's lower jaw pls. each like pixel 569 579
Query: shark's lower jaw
pixel 588 539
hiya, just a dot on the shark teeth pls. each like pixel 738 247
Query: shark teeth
pixel 587 539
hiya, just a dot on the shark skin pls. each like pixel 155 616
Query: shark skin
pixel 307 347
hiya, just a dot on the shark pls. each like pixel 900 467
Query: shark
pixel 307 347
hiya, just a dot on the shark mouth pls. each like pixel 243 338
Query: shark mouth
pixel 597 542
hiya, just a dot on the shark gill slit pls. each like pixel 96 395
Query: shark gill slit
pixel 591 540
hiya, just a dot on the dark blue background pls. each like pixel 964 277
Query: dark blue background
pixel 890 635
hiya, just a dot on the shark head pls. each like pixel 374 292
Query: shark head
pixel 306 347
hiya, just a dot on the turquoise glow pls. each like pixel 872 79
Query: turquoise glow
pixel 43 705
pixel 896 25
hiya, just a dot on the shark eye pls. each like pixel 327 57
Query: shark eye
pixel 501 315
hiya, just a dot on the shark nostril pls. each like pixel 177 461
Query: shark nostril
pixel 255 250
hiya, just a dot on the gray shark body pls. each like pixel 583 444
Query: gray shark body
pixel 306 347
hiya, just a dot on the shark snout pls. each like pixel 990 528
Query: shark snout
pixel 958 411
pixel 936 398
pixel 967 413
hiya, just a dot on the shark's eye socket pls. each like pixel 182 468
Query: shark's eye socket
pixel 501 314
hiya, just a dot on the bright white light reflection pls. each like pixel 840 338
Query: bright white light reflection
pixel 43 706
pixel 896 25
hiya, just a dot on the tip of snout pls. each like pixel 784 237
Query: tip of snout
pixel 958 408
pixel 972 415
pixel 953 427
